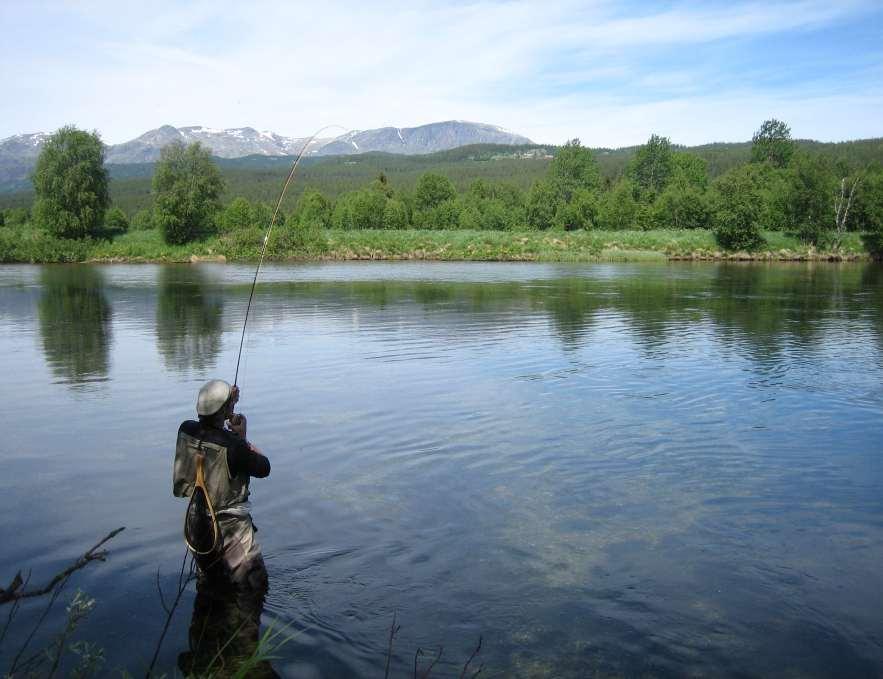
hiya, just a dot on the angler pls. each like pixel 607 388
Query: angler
pixel 214 463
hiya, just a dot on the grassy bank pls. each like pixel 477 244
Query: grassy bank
pixel 547 246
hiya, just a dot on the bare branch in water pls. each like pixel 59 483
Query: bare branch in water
pixel 183 581
pixel 17 591
pixel 425 675
pixel 471 658
pixel 393 630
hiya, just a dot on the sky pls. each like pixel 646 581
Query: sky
pixel 609 73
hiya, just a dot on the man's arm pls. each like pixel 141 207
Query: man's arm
pixel 244 457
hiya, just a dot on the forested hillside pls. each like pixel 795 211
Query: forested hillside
pixel 258 178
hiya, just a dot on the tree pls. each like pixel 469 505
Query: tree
pixel 116 222
pixel 681 206
pixel 236 216
pixel 868 210
pixel 395 214
pixel 809 198
pixel 543 202
pixel 653 165
pixel 187 188
pixel 691 170
pixel 581 212
pixel 574 167
pixel 70 183
pixel 313 210
pixel 432 190
pixel 618 208
pixel 772 144
pixel 737 210
pixel 359 210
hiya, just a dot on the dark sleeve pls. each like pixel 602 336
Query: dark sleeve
pixel 241 460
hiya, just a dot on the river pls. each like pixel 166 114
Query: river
pixel 601 470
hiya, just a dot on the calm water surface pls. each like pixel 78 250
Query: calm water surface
pixel 604 470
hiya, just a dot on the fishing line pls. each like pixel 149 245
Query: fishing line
pixel 267 238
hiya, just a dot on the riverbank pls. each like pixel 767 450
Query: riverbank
pixel 538 246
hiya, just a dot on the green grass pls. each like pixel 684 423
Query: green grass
pixel 28 245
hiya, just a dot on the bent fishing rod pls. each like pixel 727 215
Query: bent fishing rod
pixel 254 282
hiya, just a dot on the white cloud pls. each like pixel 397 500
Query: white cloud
pixel 537 68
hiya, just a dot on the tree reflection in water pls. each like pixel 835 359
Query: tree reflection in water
pixel 189 314
pixel 75 322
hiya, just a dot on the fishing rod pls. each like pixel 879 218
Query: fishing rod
pixel 267 238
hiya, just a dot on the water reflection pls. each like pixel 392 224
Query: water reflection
pixel 759 309
pixel 189 314
pixel 224 632
pixel 75 322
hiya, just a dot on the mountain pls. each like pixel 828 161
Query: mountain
pixel 419 140
pixel 19 153
pixel 233 142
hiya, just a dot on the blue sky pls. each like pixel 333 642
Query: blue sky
pixel 610 73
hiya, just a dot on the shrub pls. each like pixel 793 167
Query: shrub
pixel 681 206
pixel 581 212
pixel 116 222
pixel 142 221
pixel 737 211
pixel 618 208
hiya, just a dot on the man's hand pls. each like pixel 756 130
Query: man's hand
pixel 238 425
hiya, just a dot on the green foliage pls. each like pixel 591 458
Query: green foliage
pixel 16 216
pixel 868 211
pixel 573 168
pixel 772 144
pixel 236 216
pixel 737 211
pixel 115 222
pixel 313 210
pixel 142 221
pixel 491 207
pixel 652 166
pixel 618 207
pixel 445 215
pixel 681 206
pixel 432 190
pixel 187 188
pixel 581 212
pixel 359 210
pixel 809 199
pixel 543 202
pixel 690 169
pixel 71 184
pixel 395 215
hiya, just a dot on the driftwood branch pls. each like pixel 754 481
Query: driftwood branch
pixel 16 589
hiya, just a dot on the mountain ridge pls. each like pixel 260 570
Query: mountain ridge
pixel 19 153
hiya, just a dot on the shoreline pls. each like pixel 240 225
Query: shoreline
pixel 422 245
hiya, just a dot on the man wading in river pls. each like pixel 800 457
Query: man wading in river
pixel 217 442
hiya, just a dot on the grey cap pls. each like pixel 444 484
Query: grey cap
pixel 212 397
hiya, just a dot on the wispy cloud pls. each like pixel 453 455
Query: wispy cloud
pixel 608 73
